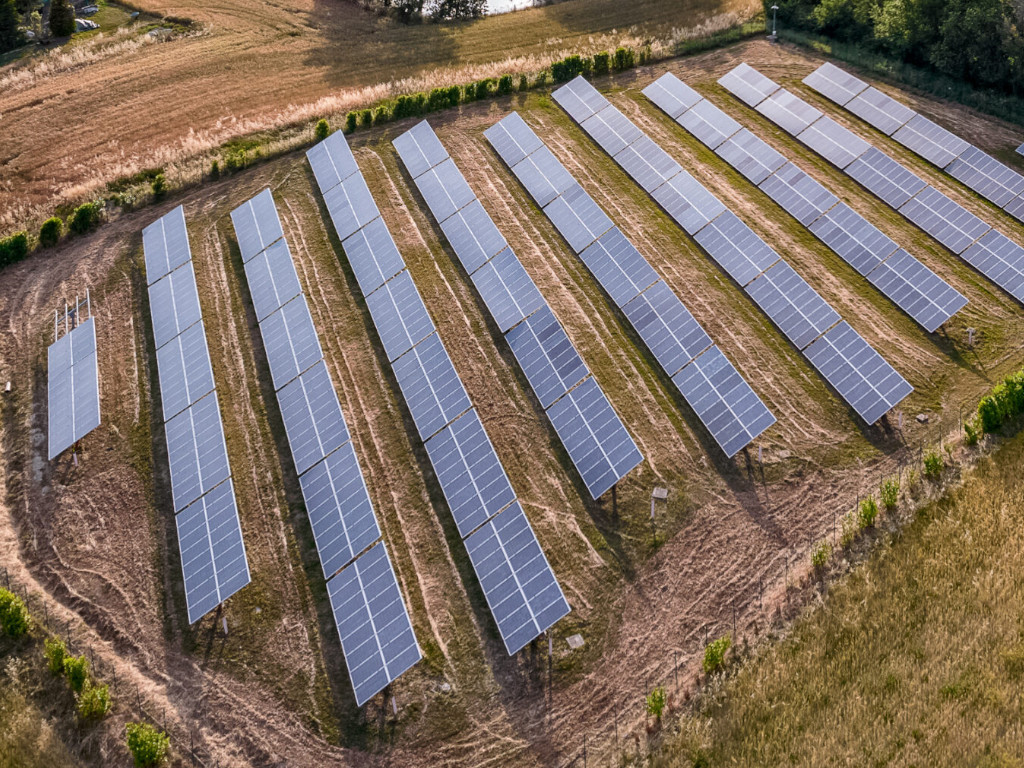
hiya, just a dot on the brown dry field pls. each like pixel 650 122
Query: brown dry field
pixel 96 541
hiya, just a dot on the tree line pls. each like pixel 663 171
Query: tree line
pixel 414 11
pixel 20 16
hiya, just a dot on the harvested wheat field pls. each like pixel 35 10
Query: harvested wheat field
pixel 96 542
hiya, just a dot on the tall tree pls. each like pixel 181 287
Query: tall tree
pixel 10 34
pixel 445 10
pixel 62 18
pixel 974 41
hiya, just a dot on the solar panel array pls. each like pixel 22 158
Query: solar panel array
pixel 373 624
pixel 519 585
pixel 512 298
pixel 730 242
pixel 990 178
pixel 726 405
pixel 73 387
pixel 919 292
pixel 213 561
pixel 935 213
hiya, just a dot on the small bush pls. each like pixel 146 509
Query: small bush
pixel 159 187
pixel 94 702
pixel 85 218
pixel 148 745
pixel 50 232
pixel 890 493
pixel 365 118
pixel 76 668
pixel 13 248
pixel 542 79
pixel 469 94
pixel 350 122
pixel 714 653
pixel 215 170
pixel 524 83
pixel 235 160
pixel 849 530
pixel 602 63
pixel 972 432
pixel 656 701
pixel 623 59
pixel 483 88
pixel 14 616
pixel 55 652
pixel 933 465
pixel 820 555
pixel 381 114
pixel 565 70
pixel 505 85
pixel 867 513
pixel 322 130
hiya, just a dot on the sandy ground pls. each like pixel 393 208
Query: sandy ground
pixel 97 540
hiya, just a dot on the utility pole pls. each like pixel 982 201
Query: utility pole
pixel 775 14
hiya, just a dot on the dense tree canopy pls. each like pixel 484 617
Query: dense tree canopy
pixel 10 35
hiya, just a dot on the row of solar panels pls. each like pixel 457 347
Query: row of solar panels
pixel 979 171
pixel 593 434
pixel 726 405
pixel 518 583
pixel 986 249
pixel 857 372
pixel 213 561
pixel 373 624
pixel 73 387
pixel 908 283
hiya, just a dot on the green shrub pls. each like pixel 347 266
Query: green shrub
pixel 972 432
pixel 55 652
pixel 656 701
pixel 215 170
pixel 848 530
pixel 867 512
pixel 159 186
pixel 13 248
pixel 565 70
pixel 235 160
pixel 148 745
pixel 505 85
pixel 820 554
pixel 94 702
pixel 714 653
pixel 365 118
pixel 623 59
pixel 14 616
pixel 350 122
pixel 542 79
pixel 85 217
pixel 50 232
pixel 381 114
pixel 437 99
pixel 76 668
pixel 602 63
pixel 322 130
pixel 469 93
pixel 890 493
pixel 933 465
pixel 483 88
pixel 524 83
pixel 62 18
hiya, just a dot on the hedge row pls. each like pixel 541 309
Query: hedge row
pixel 83 219
pixel 1003 404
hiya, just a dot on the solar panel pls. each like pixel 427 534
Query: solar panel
pixel 1016 208
pixel 420 149
pixel 373 256
pixel 857 372
pixel 213 561
pixel 987 176
pixel 350 205
pixel 578 218
pixel 723 401
pixel 788 111
pixel 796 308
pixel 1020 150
pixel 932 142
pixel 880 110
pixel 332 161
pixel 473 236
pixel 748 85
pixel 1001 260
pixel 546 355
pixel 883 176
pixel 580 99
pixel 618 266
pixel 445 189
pixel 612 130
pixel 834 142
pixel 672 95
pixel 798 194
pixel 596 440
pixel 312 417
pixel 399 315
pixel 543 175
pixel 736 248
pixel 290 340
pixel 256 224
pixel 750 156
pixel 373 623
pixel 184 369
pixel 512 138
pixel 272 278
pixel 953 226
pixel 469 472
pixel 667 327
pixel 339 509
pixel 518 583
pixel 174 304
pixel 196 451
pixel 165 245
pixel 859 242
pixel 647 164
pixel 509 293
pixel 917 290
pixel 73 394
pixel 432 388
pixel 835 84
pixel 710 125
pixel 688 202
